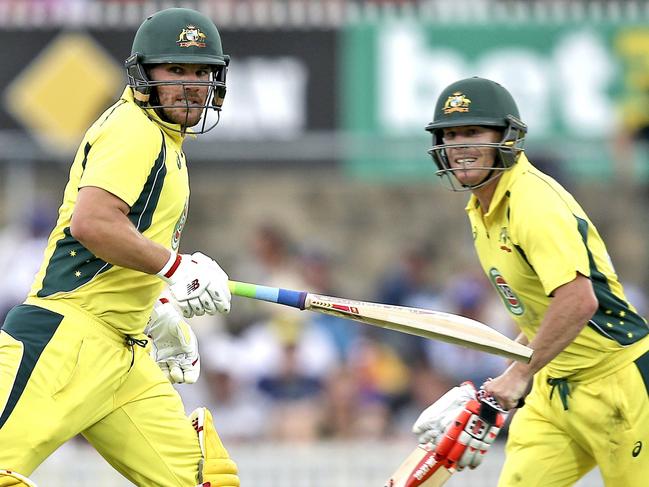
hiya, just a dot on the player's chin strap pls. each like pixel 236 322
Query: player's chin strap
pixel 9 478
pixel 216 468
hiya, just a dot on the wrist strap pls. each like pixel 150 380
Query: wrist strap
pixel 170 267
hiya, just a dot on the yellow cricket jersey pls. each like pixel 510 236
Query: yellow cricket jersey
pixel 534 238
pixel 140 160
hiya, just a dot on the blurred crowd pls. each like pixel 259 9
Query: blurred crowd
pixel 274 373
pixel 278 373
pixel 270 372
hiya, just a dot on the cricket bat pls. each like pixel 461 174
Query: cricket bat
pixel 436 325
pixel 420 469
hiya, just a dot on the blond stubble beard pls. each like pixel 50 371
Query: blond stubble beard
pixel 179 115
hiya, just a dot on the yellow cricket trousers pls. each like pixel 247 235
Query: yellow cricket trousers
pixel 63 372
pixel 606 423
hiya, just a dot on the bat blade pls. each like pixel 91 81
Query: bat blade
pixel 420 470
pixel 426 323
pixel 436 325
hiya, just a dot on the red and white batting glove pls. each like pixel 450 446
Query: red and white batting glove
pixel 467 440
pixel 174 347
pixel 461 426
pixel 197 284
pixel 436 418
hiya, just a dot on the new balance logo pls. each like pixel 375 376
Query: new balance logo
pixel 192 286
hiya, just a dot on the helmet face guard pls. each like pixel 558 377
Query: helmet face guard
pixel 178 36
pixel 507 152
pixel 476 102
pixel 147 98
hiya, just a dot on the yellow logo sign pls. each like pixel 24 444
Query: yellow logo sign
pixel 457 102
pixel 84 86
pixel 191 36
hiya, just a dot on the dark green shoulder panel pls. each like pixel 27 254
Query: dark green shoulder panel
pixel 141 214
pixel 72 265
pixel 614 317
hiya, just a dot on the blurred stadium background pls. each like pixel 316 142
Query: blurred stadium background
pixel 317 178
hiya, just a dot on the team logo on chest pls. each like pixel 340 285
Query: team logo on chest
pixel 178 229
pixel 513 304
pixel 503 237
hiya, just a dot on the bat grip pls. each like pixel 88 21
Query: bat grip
pixel 295 299
pixel 287 297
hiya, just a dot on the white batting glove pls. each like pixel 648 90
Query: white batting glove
pixel 435 419
pixel 197 284
pixel 175 348
pixel 467 440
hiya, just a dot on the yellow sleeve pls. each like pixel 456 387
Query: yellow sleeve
pixel 546 226
pixel 121 157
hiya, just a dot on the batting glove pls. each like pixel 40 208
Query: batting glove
pixel 175 348
pixel 467 440
pixel 436 418
pixel 197 284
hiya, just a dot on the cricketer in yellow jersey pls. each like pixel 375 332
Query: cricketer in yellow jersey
pixel 589 401
pixel 74 357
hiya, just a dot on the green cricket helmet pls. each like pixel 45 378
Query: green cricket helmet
pixel 481 102
pixel 177 36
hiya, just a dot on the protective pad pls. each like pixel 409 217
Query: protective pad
pixel 13 479
pixel 216 469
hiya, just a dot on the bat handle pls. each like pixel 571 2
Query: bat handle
pixel 287 297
